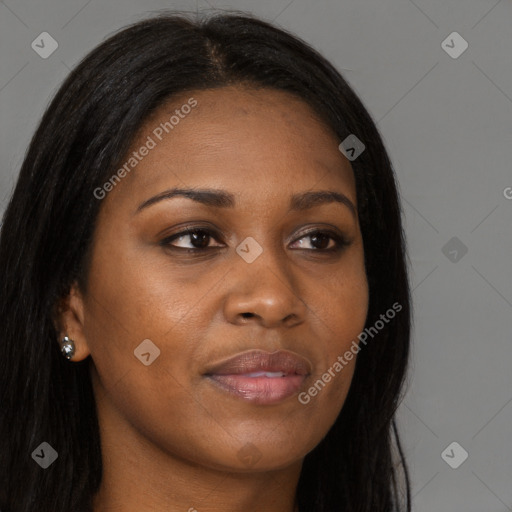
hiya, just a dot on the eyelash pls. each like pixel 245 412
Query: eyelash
pixel 340 241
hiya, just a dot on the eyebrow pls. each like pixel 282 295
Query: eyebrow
pixel 222 199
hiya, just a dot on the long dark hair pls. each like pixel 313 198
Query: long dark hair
pixel 46 237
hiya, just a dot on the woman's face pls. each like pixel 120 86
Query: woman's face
pixel 163 312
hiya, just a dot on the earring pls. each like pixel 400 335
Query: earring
pixel 67 347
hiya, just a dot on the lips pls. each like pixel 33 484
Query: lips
pixel 282 361
pixel 261 377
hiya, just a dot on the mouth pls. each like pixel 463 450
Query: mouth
pixel 261 377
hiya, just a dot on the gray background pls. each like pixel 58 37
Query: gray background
pixel 447 123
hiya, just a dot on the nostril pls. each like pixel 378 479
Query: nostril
pixel 247 315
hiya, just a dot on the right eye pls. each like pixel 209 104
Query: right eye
pixel 198 237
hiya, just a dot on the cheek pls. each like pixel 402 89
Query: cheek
pixel 130 303
pixel 133 294
pixel 134 298
pixel 345 303
pixel 343 309
pixel 352 308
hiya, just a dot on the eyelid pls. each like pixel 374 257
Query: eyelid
pixel 186 230
pixel 341 240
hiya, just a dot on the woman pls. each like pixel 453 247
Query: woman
pixel 204 297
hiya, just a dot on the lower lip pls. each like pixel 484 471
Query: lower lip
pixel 260 390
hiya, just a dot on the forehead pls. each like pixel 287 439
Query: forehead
pixel 237 138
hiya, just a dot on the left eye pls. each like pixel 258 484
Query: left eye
pixel 199 238
pixel 321 238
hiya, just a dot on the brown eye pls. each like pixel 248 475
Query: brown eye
pixel 198 238
pixel 199 241
pixel 320 240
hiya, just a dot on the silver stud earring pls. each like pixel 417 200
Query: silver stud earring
pixel 67 347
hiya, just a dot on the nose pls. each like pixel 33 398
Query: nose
pixel 265 291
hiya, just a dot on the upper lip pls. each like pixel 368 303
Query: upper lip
pixel 259 360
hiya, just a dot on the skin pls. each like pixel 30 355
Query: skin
pixel 171 440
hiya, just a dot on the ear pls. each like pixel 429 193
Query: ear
pixel 69 321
